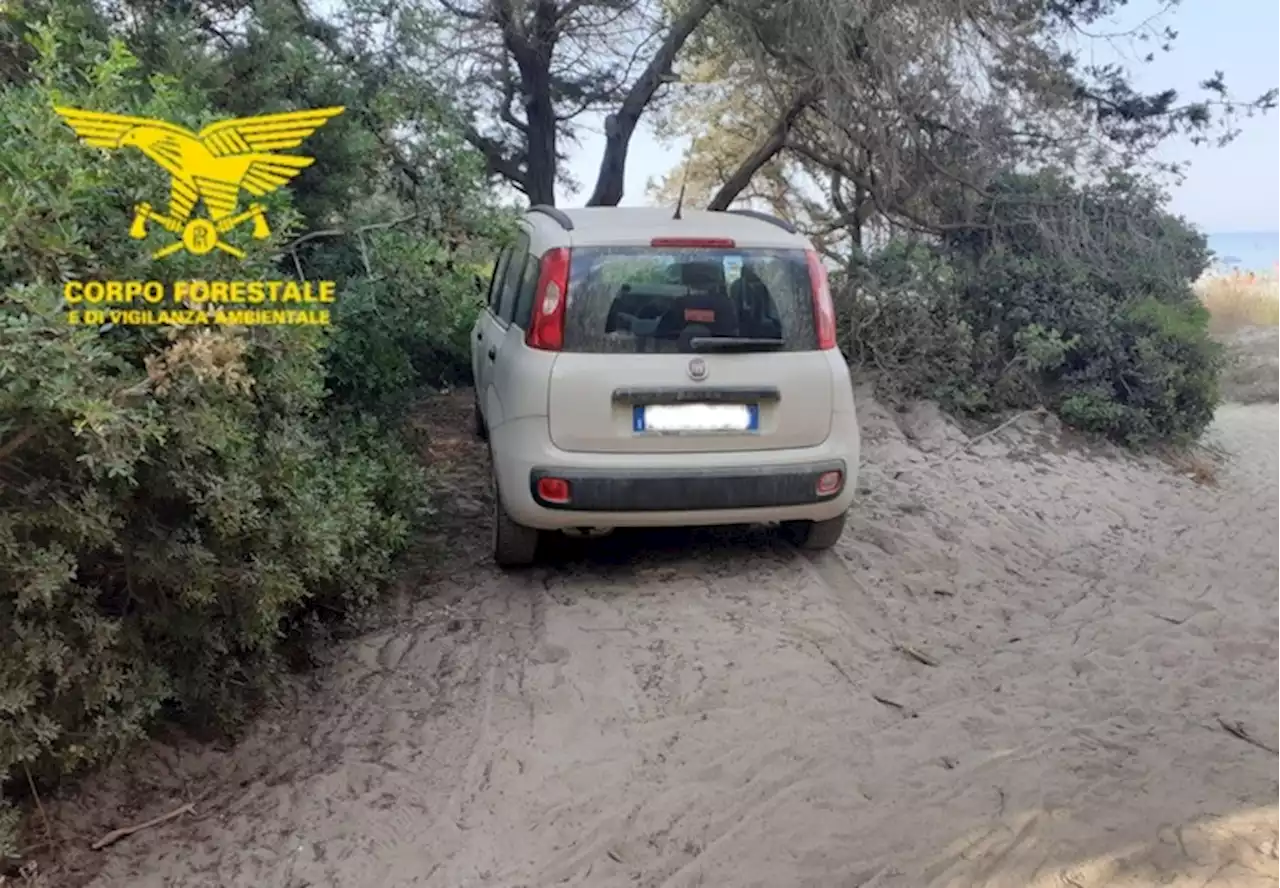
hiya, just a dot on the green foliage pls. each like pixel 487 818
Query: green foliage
pixel 10 818
pixel 1075 298
pixel 181 510
pixel 900 313
pixel 1153 378
pixel 407 219
pixel 408 325
pixel 415 214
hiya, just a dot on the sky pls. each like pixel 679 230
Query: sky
pixel 1230 189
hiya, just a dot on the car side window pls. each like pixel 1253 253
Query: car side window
pixel 511 279
pixel 527 293
pixel 499 274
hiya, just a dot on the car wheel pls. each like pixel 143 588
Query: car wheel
pixel 482 432
pixel 514 545
pixel 814 535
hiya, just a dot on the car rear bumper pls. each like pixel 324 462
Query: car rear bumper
pixel 688 490
pixel 665 489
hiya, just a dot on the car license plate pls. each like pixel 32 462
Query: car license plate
pixel 696 418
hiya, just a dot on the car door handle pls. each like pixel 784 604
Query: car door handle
pixel 493 353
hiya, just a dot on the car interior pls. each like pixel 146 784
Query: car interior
pixel 697 303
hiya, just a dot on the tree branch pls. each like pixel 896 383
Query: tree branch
pixel 765 152
pixel 620 126
pixel 509 90
pixel 495 158
pixel 328 37
pixel 892 211
pixel 564 12
pixel 462 12
pixel 338 232
pixel 12 445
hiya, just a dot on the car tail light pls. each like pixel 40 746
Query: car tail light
pixel 708 243
pixel 824 313
pixel 553 490
pixel 546 327
pixel 829 482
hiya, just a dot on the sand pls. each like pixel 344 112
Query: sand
pixel 1014 670
pixel 1252 374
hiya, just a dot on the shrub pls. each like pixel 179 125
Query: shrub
pixel 175 505
pixel 1075 298
pixel 407 326
pixel 900 315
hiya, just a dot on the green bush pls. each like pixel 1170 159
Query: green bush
pixel 178 508
pixel 408 326
pixel 1075 298
pixel 903 324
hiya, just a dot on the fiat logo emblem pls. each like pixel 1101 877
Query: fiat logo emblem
pixel 697 369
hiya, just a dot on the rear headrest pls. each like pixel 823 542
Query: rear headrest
pixel 702 274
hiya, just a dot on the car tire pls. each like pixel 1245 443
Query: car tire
pixel 814 535
pixel 482 431
pixel 514 545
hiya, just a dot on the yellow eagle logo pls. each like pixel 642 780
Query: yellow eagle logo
pixel 211 165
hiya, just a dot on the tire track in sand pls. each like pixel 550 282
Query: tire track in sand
pixel 697 708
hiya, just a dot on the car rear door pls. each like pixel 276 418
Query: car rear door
pixel 668 350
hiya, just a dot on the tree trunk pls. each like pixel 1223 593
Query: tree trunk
pixel 540 112
pixel 613 165
pixel 766 151
pixel 532 53
pixel 621 126
pixel 854 219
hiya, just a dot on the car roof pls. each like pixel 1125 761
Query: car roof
pixel 616 226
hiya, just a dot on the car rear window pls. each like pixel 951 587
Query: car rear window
pixel 648 299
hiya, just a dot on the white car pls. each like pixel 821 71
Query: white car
pixel 644 368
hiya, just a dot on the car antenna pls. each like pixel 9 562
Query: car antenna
pixel 684 178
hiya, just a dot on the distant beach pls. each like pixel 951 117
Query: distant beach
pixel 1241 288
pixel 1257 251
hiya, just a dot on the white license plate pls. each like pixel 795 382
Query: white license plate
pixel 698 418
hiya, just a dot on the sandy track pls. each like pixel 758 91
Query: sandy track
pixel 1252 373
pixel 714 708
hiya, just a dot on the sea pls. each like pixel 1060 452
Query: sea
pixel 1257 251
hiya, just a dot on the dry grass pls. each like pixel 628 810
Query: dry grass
pixel 1198 464
pixel 1239 300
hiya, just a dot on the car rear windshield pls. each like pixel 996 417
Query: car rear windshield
pixel 659 300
